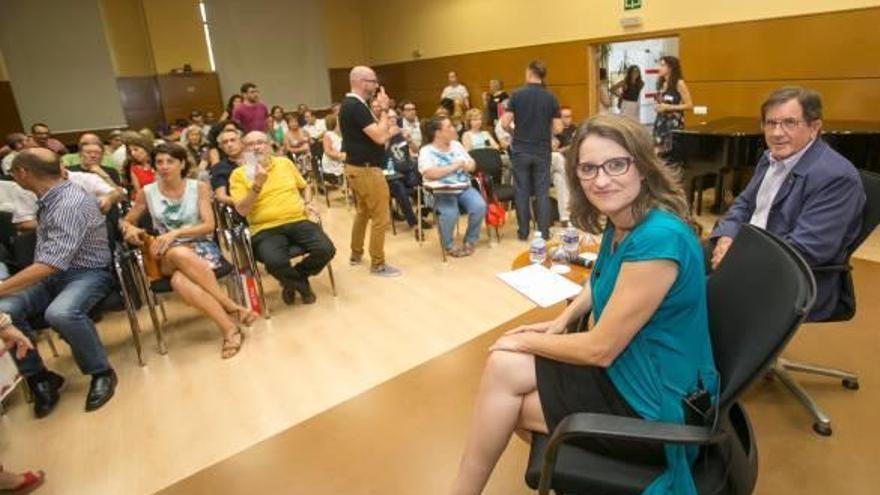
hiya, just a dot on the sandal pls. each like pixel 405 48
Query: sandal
pixel 457 252
pixel 230 348
pixel 244 316
pixel 468 249
pixel 32 481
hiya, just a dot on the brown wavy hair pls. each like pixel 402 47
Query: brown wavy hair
pixel 660 188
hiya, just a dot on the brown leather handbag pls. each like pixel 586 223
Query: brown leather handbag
pixel 151 264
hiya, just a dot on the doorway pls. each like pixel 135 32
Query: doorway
pixel 617 59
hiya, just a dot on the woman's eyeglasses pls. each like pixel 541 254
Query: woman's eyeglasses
pixel 612 167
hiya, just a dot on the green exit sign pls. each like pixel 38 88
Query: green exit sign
pixel 632 4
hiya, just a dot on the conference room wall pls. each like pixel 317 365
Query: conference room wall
pixel 10 120
pixel 729 67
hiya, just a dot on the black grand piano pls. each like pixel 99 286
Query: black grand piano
pixel 721 154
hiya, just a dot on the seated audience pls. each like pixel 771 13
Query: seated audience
pixel 277 201
pixel 315 127
pixel 74 159
pixel 251 114
pixel 43 138
pixel 404 176
pixel 411 127
pixel 802 190
pixel 181 213
pixel 21 203
pixel 197 119
pixel 69 276
pixel 504 137
pixel 277 127
pixel 215 152
pixel 90 159
pixel 230 143
pixel 445 160
pixel 475 137
pixel 296 141
pixel 15 142
pixel 138 168
pixel 196 151
pixel 649 346
pixel 333 161
pixel 116 149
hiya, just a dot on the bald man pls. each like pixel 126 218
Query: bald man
pixel 277 203
pixel 364 135
pixel 69 276
pixel 70 160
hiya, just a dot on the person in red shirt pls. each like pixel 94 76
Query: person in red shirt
pixel 138 164
pixel 251 114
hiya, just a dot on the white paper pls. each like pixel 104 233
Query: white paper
pixel 539 284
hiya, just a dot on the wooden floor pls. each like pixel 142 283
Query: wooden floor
pixel 358 365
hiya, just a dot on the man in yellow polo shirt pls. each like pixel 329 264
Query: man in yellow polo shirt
pixel 276 201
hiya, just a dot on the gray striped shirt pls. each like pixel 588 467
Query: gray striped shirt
pixel 71 231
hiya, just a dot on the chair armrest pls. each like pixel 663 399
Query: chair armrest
pixel 831 269
pixel 587 425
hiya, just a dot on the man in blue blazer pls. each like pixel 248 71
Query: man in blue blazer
pixel 802 190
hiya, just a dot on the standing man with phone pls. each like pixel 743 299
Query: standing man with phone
pixel 364 136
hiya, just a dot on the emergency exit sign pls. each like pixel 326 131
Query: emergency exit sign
pixel 632 4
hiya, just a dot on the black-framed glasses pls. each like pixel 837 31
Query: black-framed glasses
pixel 786 124
pixel 612 167
pixel 375 81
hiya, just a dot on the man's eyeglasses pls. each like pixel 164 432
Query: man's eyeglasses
pixel 612 167
pixel 374 81
pixel 786 124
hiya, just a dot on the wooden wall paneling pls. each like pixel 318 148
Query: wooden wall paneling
pixel 10 120
pixel 182 93
pixel 338 83
pixel 141 101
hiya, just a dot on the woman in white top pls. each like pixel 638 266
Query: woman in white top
pixel 446 161
pixel 334 158
pixel 475 137
pixel 181 211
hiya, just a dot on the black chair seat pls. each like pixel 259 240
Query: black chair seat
pixel 163 285
pixel 581 471
pixel 504 193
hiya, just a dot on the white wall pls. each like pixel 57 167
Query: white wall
pixel 59 64
pixel 276 44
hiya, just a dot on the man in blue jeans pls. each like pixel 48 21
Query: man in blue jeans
pixel 532 116
pixel 69 276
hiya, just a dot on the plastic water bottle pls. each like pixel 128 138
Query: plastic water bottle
pixel 389 165
pixel 571 240
pixel 538 248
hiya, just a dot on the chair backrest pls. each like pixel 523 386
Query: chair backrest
pixel 489 162
pixel 871 214
pixel 757 298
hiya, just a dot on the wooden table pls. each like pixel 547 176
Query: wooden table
pixel 578 274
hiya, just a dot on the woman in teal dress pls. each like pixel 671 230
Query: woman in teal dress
pixel 648 346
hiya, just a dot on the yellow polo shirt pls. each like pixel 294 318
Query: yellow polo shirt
pixel 279 201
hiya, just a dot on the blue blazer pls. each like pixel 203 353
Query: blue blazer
pixel 818 211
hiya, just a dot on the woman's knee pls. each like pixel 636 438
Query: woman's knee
pixel 514 370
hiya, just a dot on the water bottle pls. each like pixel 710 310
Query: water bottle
pixel 537 249
pixel 571 240
pixel 389 165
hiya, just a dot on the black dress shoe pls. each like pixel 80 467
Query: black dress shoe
pixel 45 388
pixel 288 295
pixel 101 390
pixel 305 291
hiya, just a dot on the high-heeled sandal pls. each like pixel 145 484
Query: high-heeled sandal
pixel 32 481
pixel 230 349
pixel 244 316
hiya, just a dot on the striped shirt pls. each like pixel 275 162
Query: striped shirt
pixel 71 231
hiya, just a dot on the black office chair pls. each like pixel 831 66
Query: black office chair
pixel 846 309
pixel 761 273
pixel 490 164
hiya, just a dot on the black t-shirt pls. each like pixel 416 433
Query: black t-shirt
pixel 534 109
pixel 359 148
pixel 220 173
pixel 494 101
pixel 114 175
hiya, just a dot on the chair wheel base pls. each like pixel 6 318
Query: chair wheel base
pixel 822 429
pixel 850 384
